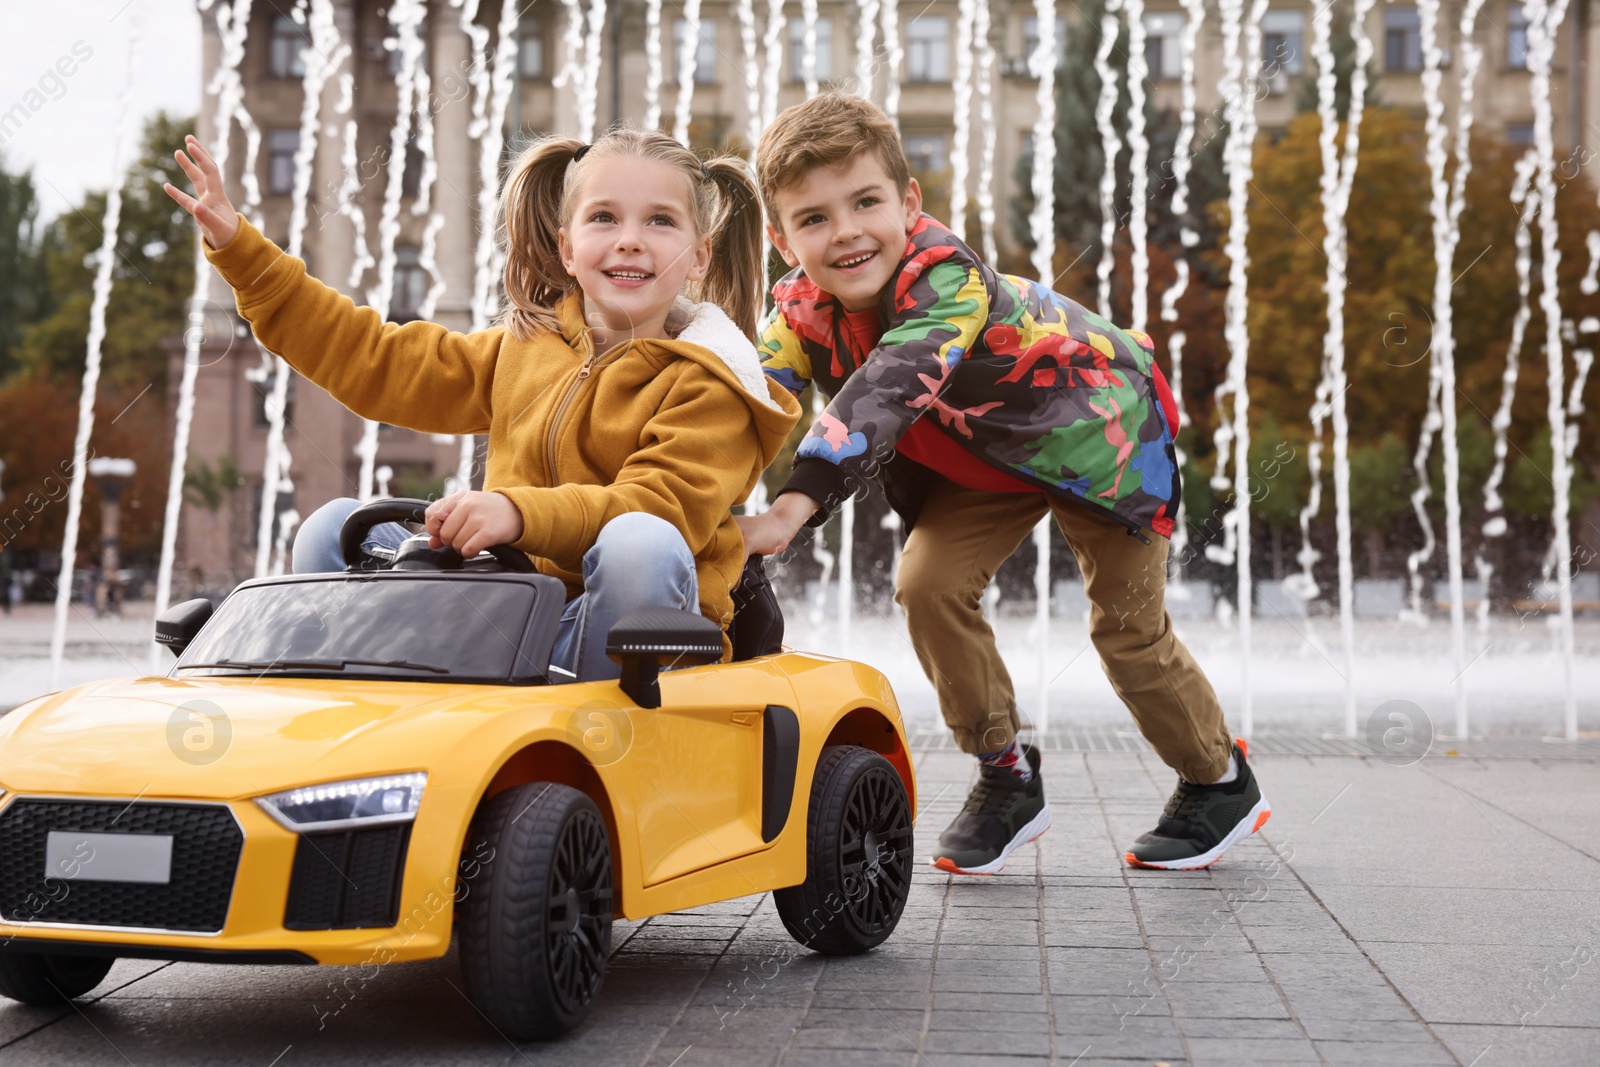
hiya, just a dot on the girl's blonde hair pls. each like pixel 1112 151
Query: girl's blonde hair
pixel 540 196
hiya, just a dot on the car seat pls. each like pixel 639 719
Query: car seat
pixel 757 628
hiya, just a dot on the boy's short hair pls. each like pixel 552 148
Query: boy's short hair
pixel 828 130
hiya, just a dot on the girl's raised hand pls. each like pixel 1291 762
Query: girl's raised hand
pixel 210 206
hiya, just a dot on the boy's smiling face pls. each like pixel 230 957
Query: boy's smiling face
pixel 847 227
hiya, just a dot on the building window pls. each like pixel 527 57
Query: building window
pixel 928 153
pixel 1283 42
pixel 797 50
pixel 1402 40
pixel 1162 40
pixel 411 284
pixel 705 55
pixel 1519 133
pixel 530 49
pixel 263 390
pixel 281 147
pixel 1517 38
pixel 928 49
pixel 288 39
pixel 1030 39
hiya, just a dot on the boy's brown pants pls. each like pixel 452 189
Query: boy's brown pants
pixel 960 539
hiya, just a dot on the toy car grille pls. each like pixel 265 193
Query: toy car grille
pixel 206 842
pixel 342 881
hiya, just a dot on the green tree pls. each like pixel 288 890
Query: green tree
pixel 152 278
pixel 1080 157
pixel 19 276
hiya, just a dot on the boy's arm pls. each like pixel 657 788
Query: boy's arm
pixel 940 311
pixel 418 375
pixel 783 357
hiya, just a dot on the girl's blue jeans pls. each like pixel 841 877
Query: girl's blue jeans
pixel 638 560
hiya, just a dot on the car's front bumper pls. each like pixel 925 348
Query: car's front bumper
pixel 273 897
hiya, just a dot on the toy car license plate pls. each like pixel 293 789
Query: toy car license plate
pixel 85 857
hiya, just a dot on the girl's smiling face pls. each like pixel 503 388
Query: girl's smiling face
pixel 847 226
pixel 631 245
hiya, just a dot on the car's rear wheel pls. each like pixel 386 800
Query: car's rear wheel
pixel 858 856
pixel 40 978
pixel 535 921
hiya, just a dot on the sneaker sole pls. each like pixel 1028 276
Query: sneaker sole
pixel 1255 820
pixel 1031 832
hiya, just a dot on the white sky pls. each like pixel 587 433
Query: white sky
pixel 70 141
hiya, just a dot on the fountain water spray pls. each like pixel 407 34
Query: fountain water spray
pixel 1138 165
pixel 1242 64
pixel 688 59
pixel 1042 64
pixel 1544 19
pixel 1337 180
pixel 1494 525
pixel 1182 161
pixel 1110 144
pixel 406 16
pixel 492 86
pixel 583 36
pixel 866 59
pixel 808 42
pixel 894 54
pixel 652 65
pixel 985 45
pixel 961 145
pixel 233 25
pixel 322 57
pixel 110 230
pixel 773 44
pixel 746 13
pixel 1447 204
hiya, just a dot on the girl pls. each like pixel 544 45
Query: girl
pixel 624 421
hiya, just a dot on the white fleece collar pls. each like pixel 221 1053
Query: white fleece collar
pixel 708 326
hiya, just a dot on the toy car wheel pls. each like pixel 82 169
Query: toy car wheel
pixel 535 921
pixel 38 978
pixel 858 856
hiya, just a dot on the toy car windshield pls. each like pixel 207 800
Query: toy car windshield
pixel 433 627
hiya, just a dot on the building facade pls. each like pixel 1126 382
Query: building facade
pixel 230 424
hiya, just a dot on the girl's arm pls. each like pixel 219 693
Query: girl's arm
pixel 694 462
pixel 419 375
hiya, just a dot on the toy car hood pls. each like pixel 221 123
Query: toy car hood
pixel 231 737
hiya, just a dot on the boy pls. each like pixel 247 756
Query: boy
pixel 1036 405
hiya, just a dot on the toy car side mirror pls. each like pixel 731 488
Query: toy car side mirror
pixel 180 624
pixel 647 639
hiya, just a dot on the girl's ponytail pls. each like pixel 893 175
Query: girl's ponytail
pixel 736 280
pixel 530 214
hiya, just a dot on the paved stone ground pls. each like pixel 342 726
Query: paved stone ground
pixel 1441 913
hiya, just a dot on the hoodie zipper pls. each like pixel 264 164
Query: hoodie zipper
pixel 589 366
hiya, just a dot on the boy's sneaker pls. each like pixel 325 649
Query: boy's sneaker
pixel 1001 812
pixel 1201 822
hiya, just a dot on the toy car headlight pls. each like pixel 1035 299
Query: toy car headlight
pixel 348 805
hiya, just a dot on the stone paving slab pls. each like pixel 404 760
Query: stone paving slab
pixel 1444 913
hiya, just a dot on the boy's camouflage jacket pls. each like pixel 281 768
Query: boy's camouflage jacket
pixel 1024 378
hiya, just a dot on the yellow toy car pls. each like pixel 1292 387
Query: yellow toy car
pixel 350 768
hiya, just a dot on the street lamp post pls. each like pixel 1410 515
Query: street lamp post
pixel 111 477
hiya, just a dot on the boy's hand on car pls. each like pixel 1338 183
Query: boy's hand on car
pixel 210 205
pixel 470 522
pixel 769 533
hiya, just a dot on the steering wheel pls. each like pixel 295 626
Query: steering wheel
pixel 404 509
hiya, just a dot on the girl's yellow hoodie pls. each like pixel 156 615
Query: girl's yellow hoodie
pixel 679 428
